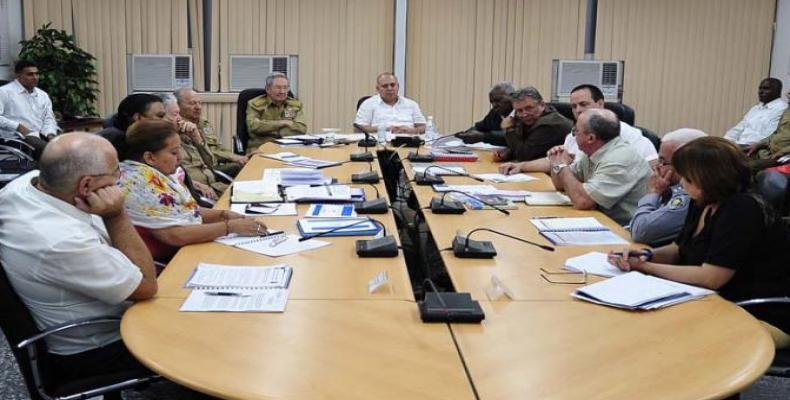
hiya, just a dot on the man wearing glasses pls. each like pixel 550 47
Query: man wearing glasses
pixel 274 114
pixel 661 212
pixel 70 252
pixel 25 110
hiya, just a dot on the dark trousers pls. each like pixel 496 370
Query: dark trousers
pixel 111 358
pixel 38 145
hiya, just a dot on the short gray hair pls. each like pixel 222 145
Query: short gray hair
pixel 274 75
pixel 527 92
pixel 682 136
pixel 63 166
pixel 179 93
pixel 167 98
pixel 603 123
pixel 505 87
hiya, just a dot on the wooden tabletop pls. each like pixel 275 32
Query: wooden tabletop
pixel 316 349
pixel 575 350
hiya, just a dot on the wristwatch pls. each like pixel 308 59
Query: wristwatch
pixel 555 169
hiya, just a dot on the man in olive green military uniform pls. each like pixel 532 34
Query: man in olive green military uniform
pixel 766 153
pixel 192 110
pixel 274 115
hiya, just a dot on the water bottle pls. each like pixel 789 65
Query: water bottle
pixel 381 136
pixel 430 130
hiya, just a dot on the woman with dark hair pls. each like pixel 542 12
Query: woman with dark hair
pixel 161 208
pixel 132 108
pixel 731 241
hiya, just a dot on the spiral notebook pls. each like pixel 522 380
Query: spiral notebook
pixel 580 231
pixel 276 244
pixel 238 288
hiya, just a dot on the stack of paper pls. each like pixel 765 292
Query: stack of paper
pixel 238 288
pixel 500 178
pixel 637 291
pixel 547 199
pixel 581 231
pixel 318 193
pixel 593 263
pixel 254 192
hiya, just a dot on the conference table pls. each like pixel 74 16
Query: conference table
pixel 338 340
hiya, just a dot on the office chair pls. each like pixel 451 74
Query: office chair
pixel 31 354
pixel 14 163
pixel 242 135
pixel 773 186
pixel 624 112
pixel 780 366
pixel 651 136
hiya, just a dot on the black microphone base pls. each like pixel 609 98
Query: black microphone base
pixel 365 177
pixel 376 206
pixel 368 142
pixel 419 158
pixel 381 247
pixel 406 141
pixel 362 157
pixel 457 307
pixel 474 249
pixel 447 206
pixel 428 179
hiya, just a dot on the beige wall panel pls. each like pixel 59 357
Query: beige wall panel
pixel 221 113
pixel 457 49
pixel 688 63
pixel 342 45
pixel 37 13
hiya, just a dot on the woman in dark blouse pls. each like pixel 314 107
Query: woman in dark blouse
pixel 731 242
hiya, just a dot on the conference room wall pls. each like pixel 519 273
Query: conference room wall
pixel 688 63
pixel 111 29
pixel 457 49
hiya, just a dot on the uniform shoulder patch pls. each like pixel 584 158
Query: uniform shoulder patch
pixel 676 202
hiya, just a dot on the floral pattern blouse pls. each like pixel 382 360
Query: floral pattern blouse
pixel 155 200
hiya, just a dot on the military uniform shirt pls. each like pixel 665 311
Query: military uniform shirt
pixel 656 222
pixel 263 116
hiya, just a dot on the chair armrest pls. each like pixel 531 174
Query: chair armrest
pixel 17 143
pixel 66 326
pixel 206 202
pixel 19 153
pixel 222 176
pixel 766 300
pixel 238 146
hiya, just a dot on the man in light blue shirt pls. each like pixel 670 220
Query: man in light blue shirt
pixel 661 213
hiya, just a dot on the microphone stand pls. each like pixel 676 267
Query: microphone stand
pixel 424 180
pixel 464 247
pixel 457 207
pixel 385 246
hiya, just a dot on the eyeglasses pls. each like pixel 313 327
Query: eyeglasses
pixel 548 277
pixel 663 163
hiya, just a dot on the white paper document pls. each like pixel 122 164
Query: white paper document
pixel 484 146
pixel 331 211
pixel 637 291
pixel 273 245
pixel 438 169
pixel 254 191
pixel 593 263
pixel 471 189
pixel 500 178
pixel 267 300
pixel 242 277
pixel 285 156
pixel 581 231
pixel 294 176
pixel 547 199
pixel 318 193
pixel 556 224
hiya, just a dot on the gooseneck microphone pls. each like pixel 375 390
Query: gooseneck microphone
pixel 385 246
pixel 367 141
pixel 417 157
pixel 456 207
pixel 426 179
pixel 464 247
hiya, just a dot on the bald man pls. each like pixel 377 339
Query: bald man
pixel 71 252
pixel 608 174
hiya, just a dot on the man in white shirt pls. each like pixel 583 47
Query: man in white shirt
pixel 26 110
pixel 763 118
pixel 70 251
pixel 583 98
pixel 398 114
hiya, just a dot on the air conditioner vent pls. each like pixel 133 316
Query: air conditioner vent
pixel 606 75
pixel 250 71
pixel 280 64
pixel 609 74
pixel 158 72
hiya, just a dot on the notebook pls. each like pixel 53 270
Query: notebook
pixel 580 231
pixel 593 263
pixel 254 192
pixel 242 277
pixel 637 291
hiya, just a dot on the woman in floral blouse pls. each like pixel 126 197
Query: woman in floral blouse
pixel 161 208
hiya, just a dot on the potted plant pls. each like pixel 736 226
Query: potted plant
pixel 67 72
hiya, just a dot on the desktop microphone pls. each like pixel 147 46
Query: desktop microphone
pixel 385 246
pixel 333 230
pixel 376 206
pixel 457 207
pixel 367 141
pixel 426 179
pixel 448 306
pixel 464 247
pixel 422 158
pixel 366 177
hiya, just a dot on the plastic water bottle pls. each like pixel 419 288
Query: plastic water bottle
pixel 381 135
pixel 430 130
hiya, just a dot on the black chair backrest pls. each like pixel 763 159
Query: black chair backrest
pixel 650 135
pixel 623 112
pixel 773 186
pixel 17 324
pixel 241 113
pixel 362 100
pixel 108 121
pixel 3 82
pixel 117 138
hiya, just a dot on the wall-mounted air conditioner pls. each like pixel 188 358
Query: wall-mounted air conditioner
pixel 158 72
pixel 606 75
pixel 250 71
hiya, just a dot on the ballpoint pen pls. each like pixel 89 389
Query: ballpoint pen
pixel 227 294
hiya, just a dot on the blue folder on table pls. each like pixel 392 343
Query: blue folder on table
pixel 315 226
